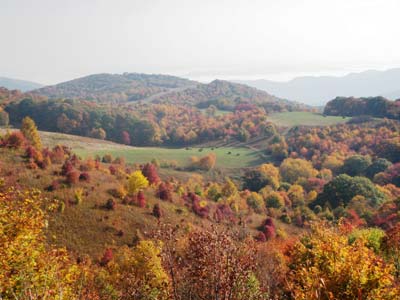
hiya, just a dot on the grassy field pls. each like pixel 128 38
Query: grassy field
pixel 218 112
pixel 238 157
pixel 227 157
pixel 296 118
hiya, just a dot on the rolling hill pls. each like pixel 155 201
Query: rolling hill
pixel 226 95
pixel 17 84
pixel 115 87
pixel 319 90
pixel 151 88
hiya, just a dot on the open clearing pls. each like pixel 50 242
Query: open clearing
pixel 227 157
pixel 296 118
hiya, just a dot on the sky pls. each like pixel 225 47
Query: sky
pixel 50 41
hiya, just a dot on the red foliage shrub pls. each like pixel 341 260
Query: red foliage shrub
pixel 269 232
pixel 72 177
pixel 107 257
pixel 150 171
pixel 224 212
pixel 197 205
pixel 30 152
pixel 58 154
pixel 84 177
pixel 15 140
pixel 260 237
pixel 268 229
pixel 112 169
pixel 141 200
pixel 66 168
pixel 164 192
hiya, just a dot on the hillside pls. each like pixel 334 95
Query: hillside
pixel 226 95
pixel 99 222
pixel 315 90
pixel 17 84
pixel 114 87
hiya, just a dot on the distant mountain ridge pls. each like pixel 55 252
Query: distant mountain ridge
pixel 134 87
pixel 114 87
pixel 319 90
pixel 224 94
pixel 17 84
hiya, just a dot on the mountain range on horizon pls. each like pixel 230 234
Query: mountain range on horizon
pixel 318 90
pixel 18 84
pixel 310 90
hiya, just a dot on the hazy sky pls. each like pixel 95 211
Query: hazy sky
pixel 49 41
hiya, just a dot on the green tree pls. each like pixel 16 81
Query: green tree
pixel 379 165
pixel 344 187
pixel 356 165
pixel 266 174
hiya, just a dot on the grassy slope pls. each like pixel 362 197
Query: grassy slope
pixel 87 228
pixel 240 157
pixel 289 119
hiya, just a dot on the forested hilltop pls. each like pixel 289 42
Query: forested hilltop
pixel 379 107
pixel 113 88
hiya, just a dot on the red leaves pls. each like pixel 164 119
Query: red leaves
pixel 107 257
pixel 150 171
pixel 164 192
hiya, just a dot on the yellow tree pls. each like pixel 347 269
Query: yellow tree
pixel 136 182
pixel 139 274
pixel 271 173
pixel 27 269
pixel 293 169
pixel 29 130
pixel 326 266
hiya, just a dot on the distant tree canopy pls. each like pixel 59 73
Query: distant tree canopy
pixel 356 165
pixel 139 125
pixel 4 119
pixel 374 106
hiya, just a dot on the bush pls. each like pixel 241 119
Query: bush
pixel 274 200
pixel 84 177
pixel 15 140
pixel 141 200
pixel 164 192
pixel 107 257
pixel 110 204
pixel 157 212
pixel 372 237
pixel 72 177
pixel 107 158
